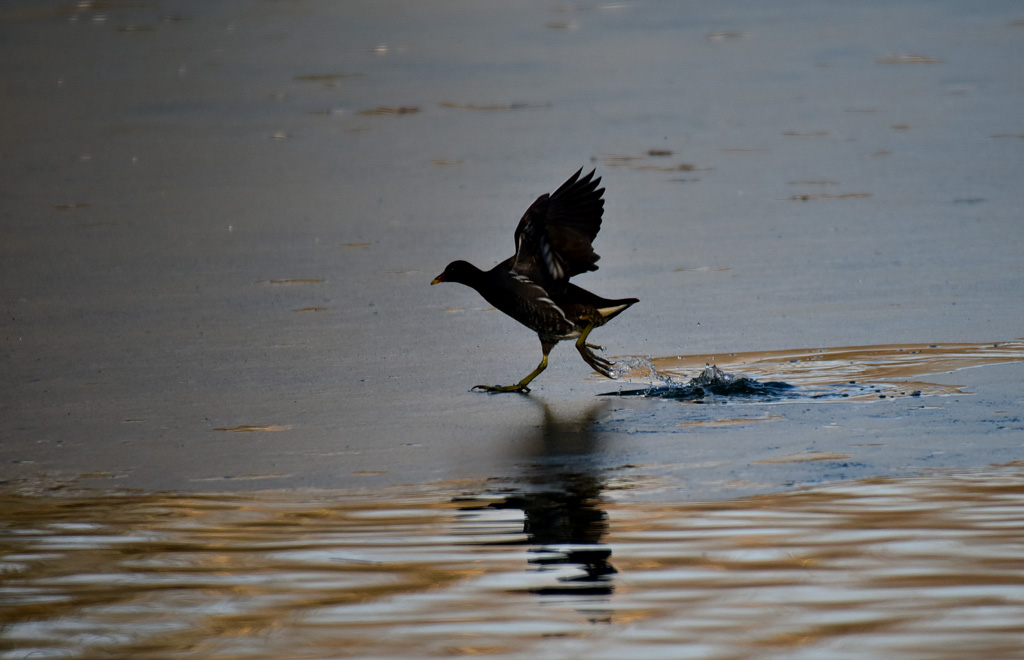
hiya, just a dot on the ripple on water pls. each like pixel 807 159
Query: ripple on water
pixel 854 373
pixel 918 567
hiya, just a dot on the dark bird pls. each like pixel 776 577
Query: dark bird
pixel 553 243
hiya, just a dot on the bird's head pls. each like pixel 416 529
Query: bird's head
pixel 457 271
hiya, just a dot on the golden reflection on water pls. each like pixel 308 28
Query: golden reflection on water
pixel 922 567
pixel 893 368
pixel 829 365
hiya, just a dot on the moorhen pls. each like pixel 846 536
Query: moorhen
pixel 553 243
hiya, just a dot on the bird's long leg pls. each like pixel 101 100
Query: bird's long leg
pixel 583 338
pixel 521 386
pixel 597 363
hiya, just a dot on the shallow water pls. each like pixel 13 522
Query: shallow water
pixel 218 229
pixel 859 363
pixel 220 221
pixel 568 565
pixel 856 373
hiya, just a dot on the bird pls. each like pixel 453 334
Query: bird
pixel 553 243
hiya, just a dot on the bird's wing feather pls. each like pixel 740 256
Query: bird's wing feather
pixel 554 236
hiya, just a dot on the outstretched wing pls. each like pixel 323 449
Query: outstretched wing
pixel 553 239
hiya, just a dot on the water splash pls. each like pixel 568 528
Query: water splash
pixel 855 373
pixel 640 367
pixel 711 383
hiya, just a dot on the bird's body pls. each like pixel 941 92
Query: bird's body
pixel 553 243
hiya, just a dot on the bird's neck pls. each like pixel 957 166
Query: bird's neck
pixel 472 276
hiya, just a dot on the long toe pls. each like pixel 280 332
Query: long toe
pixel 599 364
pixel 493 389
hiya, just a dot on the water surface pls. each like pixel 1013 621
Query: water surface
pixel 557 566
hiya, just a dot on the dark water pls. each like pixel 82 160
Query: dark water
pixel 218 227
pixel 570 566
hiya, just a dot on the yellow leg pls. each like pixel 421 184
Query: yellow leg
pixel 521 386
pixel 581 342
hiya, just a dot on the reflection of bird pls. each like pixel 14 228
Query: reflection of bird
pixel 566 525
pixel 553 243
pixel 561 494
